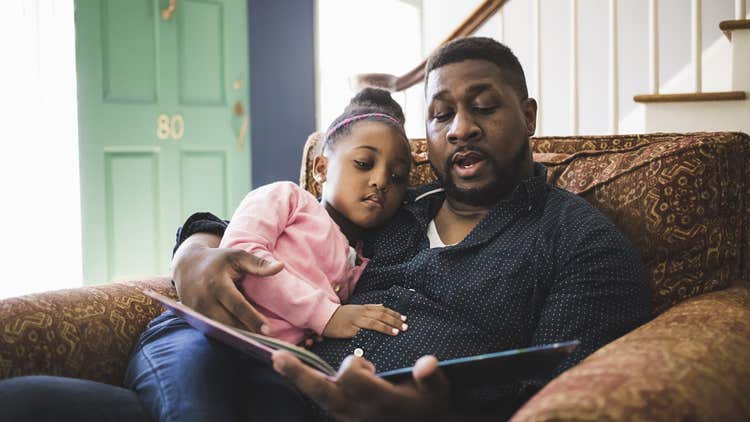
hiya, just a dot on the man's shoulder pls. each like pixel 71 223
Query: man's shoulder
pixel 576 219
pixel 567 206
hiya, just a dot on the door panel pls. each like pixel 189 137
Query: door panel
pixel 128 51
pixel 133 204
pixel 204 182
pixel 158 126
pixel 201 50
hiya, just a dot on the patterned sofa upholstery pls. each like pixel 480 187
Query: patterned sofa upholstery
pixel 682 199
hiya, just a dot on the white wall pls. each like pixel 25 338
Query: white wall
pixel 361 36
pixel 39 179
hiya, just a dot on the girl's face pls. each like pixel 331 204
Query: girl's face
pixel 365 174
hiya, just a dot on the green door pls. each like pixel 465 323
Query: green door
pixel 163 125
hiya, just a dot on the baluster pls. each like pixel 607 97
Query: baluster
pixel 653 35
pixel 574 67
pixel 501 18
pixel 740 9
pixel 538 63
pixel 697 47
pixel 614 88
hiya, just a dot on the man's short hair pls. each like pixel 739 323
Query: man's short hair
pixel 481 48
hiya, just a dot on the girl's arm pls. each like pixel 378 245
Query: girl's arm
pixel 256 225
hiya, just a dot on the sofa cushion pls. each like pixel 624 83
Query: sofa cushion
pixel 680 198
pixel 87 333
pixel 688 364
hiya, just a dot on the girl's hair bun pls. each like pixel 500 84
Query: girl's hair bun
pixel 375 100
pixel 368 104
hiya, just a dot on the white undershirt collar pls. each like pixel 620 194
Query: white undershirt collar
pixel 434 237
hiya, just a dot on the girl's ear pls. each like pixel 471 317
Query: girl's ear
pixel 320 167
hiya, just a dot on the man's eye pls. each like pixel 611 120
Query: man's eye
pixel 442 117
pixel 364 165
pixel 485 110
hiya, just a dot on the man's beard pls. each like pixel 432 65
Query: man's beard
pixel 505 181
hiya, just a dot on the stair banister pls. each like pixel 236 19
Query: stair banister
pixel 393 83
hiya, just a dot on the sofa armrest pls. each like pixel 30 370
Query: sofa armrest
pixel 690 363
pixel 87 332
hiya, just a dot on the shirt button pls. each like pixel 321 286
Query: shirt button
pixel 359 352
pixel 336 288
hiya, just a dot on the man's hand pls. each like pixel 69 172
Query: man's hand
pixel 205 278
pixel 349 319
pixel 356 394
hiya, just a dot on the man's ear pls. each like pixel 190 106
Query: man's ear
pixel 320 167
pixel 529 108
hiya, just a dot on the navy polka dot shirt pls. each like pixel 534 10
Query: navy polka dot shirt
pixel 542 267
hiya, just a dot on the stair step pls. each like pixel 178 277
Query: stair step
pixel 728 26
pixel 695 96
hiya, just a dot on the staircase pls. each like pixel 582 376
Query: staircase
pixel 708 111
pixel 680 105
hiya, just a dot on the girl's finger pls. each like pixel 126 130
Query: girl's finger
pixel 376 325
pixel 383 309
pixel 386 318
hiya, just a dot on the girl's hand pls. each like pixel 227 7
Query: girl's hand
pixel 349 319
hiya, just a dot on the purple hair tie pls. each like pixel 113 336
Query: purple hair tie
pixel 358 117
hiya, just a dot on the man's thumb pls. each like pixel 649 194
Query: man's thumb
pixel 250 264
pixel 430 378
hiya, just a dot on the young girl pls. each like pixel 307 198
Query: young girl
pixel 364 170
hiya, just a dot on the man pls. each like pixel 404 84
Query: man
pixel 490 258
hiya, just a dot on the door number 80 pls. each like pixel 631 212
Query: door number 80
pixel 167 127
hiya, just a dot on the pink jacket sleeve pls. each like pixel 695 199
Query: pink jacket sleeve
pixel 256 224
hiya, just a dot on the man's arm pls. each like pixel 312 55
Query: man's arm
pixel 600 290
pixel 205 275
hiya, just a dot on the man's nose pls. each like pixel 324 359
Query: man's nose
pixel 463 128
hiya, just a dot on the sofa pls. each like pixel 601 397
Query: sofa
pixel 682 199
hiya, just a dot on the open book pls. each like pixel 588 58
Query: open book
pixel 505 365
pixel 255 344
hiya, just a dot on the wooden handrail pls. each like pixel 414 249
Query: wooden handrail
pixel 728 26
pixel 394 83
pixel 694 96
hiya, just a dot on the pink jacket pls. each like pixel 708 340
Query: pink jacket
pixel 283 222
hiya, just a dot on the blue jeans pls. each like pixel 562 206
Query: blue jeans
pixel 181 375
pixel 53 399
